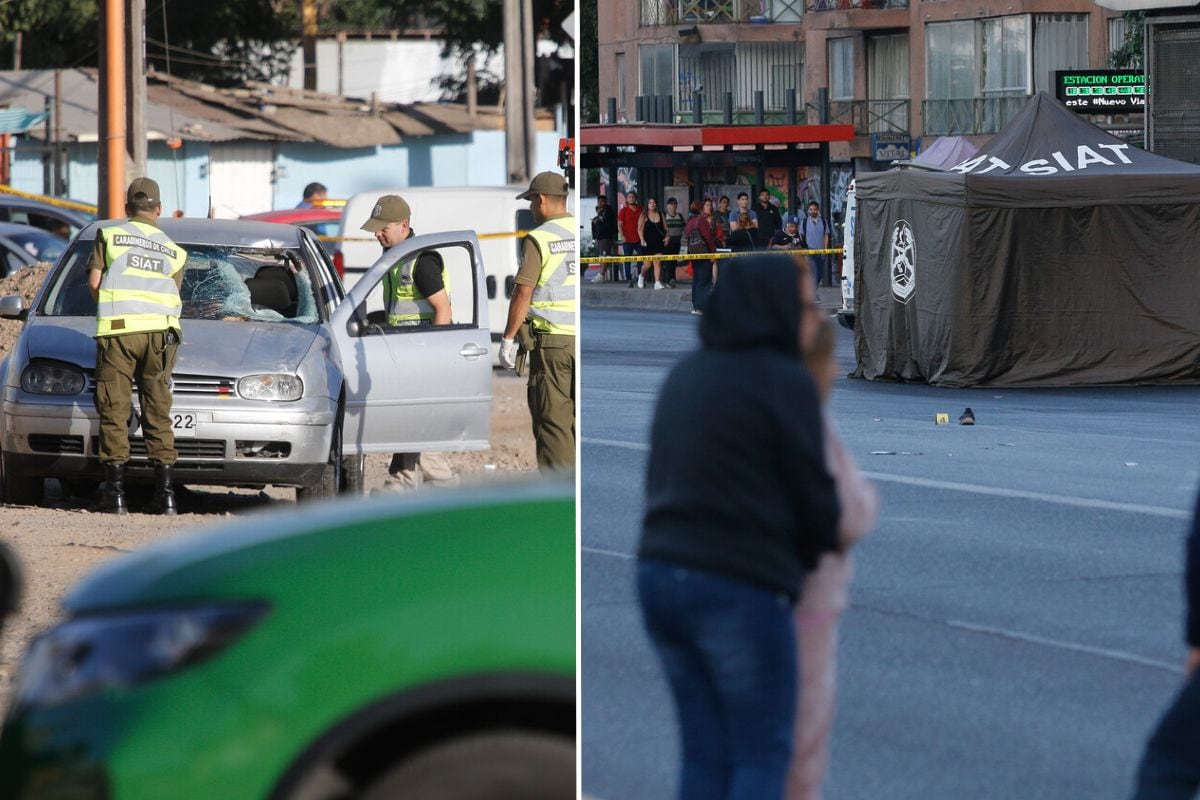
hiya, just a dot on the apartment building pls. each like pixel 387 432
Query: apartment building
pixel 897 70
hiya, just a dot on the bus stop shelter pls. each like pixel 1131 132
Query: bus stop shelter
pixel 658 151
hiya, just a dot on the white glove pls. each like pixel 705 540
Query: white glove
pixel 508 353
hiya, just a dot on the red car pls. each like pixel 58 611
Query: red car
pixel 321 221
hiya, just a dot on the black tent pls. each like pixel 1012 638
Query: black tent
pixel 1058 255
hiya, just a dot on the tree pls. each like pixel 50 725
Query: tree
pixel 589 64
pixel 1129 54
pixel 226 42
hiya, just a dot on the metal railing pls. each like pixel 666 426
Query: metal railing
pixel 703 12
pixel 845 5
pixel 969 115
pixel 871 116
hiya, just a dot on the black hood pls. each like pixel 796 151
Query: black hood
pixel 755 304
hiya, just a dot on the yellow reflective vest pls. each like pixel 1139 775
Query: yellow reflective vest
pixel 552 308
pixel 405 303
pixel 137 290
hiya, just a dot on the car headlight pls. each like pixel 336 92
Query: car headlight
pixel 270 387
pixel 118 650
pixel 52 377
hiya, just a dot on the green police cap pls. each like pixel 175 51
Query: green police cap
pixel 547 183
pixel 143 193
pixel 389 208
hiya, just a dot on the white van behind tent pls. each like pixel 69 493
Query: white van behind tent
pixel 485 210
pixel 845 314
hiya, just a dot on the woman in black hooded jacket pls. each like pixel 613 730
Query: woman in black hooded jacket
pixel 739 506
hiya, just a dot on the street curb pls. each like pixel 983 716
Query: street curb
pixel 617 294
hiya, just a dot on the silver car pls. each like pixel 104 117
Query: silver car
pixel 282 377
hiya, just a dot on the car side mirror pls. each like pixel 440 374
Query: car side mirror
pixel 13 307
pixel 10 583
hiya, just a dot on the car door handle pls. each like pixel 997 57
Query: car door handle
pixel 473 351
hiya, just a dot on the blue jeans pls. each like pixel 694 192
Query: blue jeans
pixel 701 282
pixel 817 265
pixel 630 269
pixel 1170 767
pixel 729 651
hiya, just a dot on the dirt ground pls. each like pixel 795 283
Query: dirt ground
pixel 60 542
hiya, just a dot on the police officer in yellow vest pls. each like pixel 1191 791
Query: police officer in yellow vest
pixel 545 299
pixel 416 294
pixel 135 273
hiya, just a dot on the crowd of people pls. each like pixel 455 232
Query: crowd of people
pixel 646 231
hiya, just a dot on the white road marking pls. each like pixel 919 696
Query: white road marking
pixel 615 443
pixel 1016 636
pixel 975 488
pixel 1102 652
pixel 610 553
pixel 1022 494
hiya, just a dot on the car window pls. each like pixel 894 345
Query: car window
pixel 12 261
pixel 326 228
pixel 39 244
pixel 328 284
pixel 58 226
pixel 459 271
pixel 219 282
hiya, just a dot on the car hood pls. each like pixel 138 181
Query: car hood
pixel 204 565
pixel 210 347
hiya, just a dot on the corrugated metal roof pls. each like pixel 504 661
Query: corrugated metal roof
pixel 18 120
pixel 198 112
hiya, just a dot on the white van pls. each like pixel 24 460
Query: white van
pixel 845 314
pixel 484 209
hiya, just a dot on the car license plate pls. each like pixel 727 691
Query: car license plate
pixel 183 423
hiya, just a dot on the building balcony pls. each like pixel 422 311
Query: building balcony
pixel 870 116
pixel 969 115
pixel 849 5
pixel 719 12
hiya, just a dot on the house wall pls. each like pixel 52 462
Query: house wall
pixel 475 159
pixel 470 159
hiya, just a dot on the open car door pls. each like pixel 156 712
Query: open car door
pixel 412 389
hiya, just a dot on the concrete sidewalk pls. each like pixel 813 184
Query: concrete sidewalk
pixel 617 294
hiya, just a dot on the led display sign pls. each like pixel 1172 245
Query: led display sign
pixel 1101 91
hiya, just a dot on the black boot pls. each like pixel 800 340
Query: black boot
pixel 112 493
pixel 164 492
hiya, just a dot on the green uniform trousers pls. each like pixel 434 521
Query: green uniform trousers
pixel 552 401
pixel 120 360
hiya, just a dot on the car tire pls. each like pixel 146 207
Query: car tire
pixel 17 489
pixel 494 765
pixel 353 469
pixel 331 477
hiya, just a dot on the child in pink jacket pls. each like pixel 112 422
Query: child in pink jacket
pixel 824 595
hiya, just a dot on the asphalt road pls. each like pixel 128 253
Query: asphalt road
pixel 1015 621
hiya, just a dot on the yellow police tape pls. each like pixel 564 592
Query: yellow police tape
pixel 704 256
pixel 54 201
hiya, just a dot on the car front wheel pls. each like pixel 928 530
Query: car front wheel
pixel 500 764
pixel 331 477
pixel 17 489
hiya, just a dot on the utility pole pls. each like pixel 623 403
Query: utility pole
pixel 60 186
pixel 111 199
pixel 135 87
pixel 341 43
pixel 308 16
pixel 518 83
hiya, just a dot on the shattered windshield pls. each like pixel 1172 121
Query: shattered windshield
pixel 219 282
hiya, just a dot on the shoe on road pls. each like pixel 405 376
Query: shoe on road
pixel 967 418
pixel 658 285
pixel 641 282
pixel 599 276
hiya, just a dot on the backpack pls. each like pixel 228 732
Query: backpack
pixel 693 240
pixel 820 243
